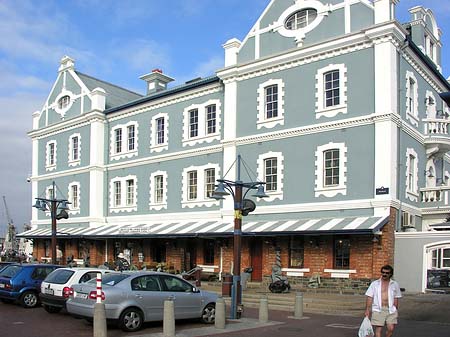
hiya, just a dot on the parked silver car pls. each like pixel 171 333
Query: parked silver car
pixel 132 298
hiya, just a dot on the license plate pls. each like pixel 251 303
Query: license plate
pixel 49 291
pixel 2 285
pixel 80 295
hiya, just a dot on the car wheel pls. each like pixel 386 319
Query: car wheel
pixel 209 314
pixel 131 320
pixel 29 299
pixel 51 309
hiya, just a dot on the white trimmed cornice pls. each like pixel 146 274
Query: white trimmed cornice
pixel 166 101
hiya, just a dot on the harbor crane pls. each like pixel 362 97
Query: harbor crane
pixel 10 239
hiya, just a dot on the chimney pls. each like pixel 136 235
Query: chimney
pixel 156 81
pixel 231 49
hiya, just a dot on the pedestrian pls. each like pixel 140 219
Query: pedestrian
pixel 382 302
pixel 59 255
pixel 122 263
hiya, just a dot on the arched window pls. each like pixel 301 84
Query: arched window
pixel 301 19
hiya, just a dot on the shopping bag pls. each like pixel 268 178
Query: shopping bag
pixel 365 330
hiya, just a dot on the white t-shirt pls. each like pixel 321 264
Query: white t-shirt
pixel 374 291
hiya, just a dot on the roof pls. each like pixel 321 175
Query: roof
pixel 349 225
pixel 116 95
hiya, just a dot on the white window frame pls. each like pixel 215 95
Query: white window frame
pixel 203 135
pixel 154 146
pixel 412 116
pixel 201 199
pixel 48 165
pixel 48 196
pixel 412 183
pixel 205 182
pixel 439 257
pixel 71 160
pixel 299 34
pixel 125 152
pixel 153 204
pixel 74 206
pixel 278 194
pixel 262 120
pixel 320 188
pixel 430 107
pixel 123 207
pixel 331 111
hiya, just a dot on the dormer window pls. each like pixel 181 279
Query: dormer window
pixel 64 102
pixel 301 19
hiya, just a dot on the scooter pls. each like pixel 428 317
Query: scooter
pixel 280 286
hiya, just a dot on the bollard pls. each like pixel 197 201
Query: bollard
pixel 263 310
pixel 100 328
pixel 220 314
pixel 298 311
pixel 169 319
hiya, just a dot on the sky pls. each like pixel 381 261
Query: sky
pixel 116 41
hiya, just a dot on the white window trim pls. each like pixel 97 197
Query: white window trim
pixel 55 105
pixel 202 136
pixel 320 189
pixel 47 196
pixel 125 153
pixel 340 273
pixel 299 34
pixel 430 108
pixel 278 194
pixel 48 166
pixel 201 199
pixel 262 121
pixel 153 205
pixel 154 147
pixel 72 210
pixel 413 194
pixel 321 110
pixel 71 161
pixel 123 195
pixel 412 117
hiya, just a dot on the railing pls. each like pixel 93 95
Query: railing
pixel 435 194
pixel 434 126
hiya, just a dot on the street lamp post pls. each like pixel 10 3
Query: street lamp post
pixel 242 207
pixel 54 205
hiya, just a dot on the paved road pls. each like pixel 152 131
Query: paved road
pixel 16 321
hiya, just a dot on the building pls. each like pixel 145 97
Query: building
pixel 334 104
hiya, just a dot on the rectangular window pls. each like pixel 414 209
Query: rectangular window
pixel 296 252
pixel 331 167
pixel 271 174
pixel 74 196
pixel 131 137
pixel 411 95
pixel 271 94
pixel 75 148
pixel 51 194
pixel 331 90
pixel 193 123
pixel 192 185
pixel 117 193
pixel 118 140
pixel 160 131
pixel 341 253
pixel 51 154
pixel 211 119
pixel 159 189
pixel 411 173
pixel 446 258
pixel 210 182
pixel 130 192
pixel 208 252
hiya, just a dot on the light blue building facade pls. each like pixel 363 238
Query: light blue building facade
pixel 333 104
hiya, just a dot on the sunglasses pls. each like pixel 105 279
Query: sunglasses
pixel 385 273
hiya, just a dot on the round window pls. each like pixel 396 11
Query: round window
pixel 301 19
pixel 64 102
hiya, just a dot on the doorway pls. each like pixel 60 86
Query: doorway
pixel 256 259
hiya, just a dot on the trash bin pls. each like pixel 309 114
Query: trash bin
pixel 245 276
pixel 227 282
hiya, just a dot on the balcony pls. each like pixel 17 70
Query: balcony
pixel 437 136
pixel 435 196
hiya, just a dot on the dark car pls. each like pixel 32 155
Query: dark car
pixel 4 264
pixel 22 283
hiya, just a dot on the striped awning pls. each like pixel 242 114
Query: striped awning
pixel 351 225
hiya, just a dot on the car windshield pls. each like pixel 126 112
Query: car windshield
pixel 111 279
pixel 10 271
pixel 59 276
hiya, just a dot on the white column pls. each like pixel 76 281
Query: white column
pixel 384 10
pixel 96 174
pixel 34 173
pixel 386 90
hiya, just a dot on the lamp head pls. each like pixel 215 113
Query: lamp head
pixel 260 192
pixel 220 192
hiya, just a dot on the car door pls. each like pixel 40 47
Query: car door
pixel 187 303
pixel 39 274
pixel 146 291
